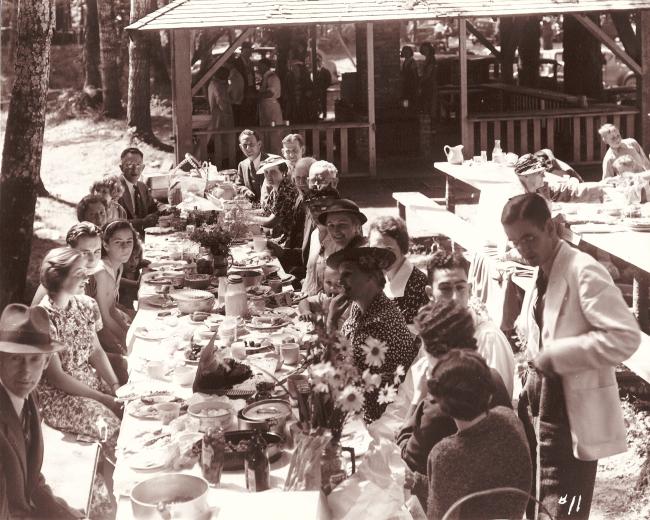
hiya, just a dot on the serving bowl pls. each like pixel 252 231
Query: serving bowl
pixel 174 495
pixel 193 300
pixel 212 414
pixel 250 277
pixel 197 281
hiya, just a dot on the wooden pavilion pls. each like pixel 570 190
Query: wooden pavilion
pixel 525 119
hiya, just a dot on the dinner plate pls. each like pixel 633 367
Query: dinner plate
pixel 288 279
pixel 157 300
pixel 288 312
pixel 157 230
pixel 151 334
pixel 147 461
pixel 147 388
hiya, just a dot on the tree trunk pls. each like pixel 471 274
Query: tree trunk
pixel 23 145
pixel 583 60
pixel 109 45
pixel 138 108
pixel 93 78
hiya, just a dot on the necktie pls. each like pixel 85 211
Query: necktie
pixel 138 205
pixel 538 309
pixel 25 420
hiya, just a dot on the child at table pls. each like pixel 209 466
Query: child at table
pixel 319 304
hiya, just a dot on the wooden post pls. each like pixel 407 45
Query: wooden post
pixel 181 93
pixel 643 81
pixel 464 112
pixel 370 58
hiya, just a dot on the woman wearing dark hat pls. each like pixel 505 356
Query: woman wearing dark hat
pixel 372 317
pixel 341 226
pixel 25 351
pixel 443 326
pixel 489 451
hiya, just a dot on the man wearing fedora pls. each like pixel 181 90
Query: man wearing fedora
pixel 25 351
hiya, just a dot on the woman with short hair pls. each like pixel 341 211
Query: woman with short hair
pixel 373 319
pixel 405 283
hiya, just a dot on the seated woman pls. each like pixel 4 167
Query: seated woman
pixel 86 238
pixel 92 208
pixel 79 385
pixel 117 246
pixel 372 317
pixel 443 326
pixel 489 451
pixel 282 215
pixel 130 281
pixel 110 189
pixel 619 146
pixel 405 284
pixel 554 166
pixel 341 227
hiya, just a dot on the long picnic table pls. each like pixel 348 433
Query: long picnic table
pixel 230 500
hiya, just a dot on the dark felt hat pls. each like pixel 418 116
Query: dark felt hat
pixel 368 258
pixel 26 330
pixel 342 206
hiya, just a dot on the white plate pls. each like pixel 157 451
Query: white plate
pixel 156 300
pixel 147 461
pixel 151 334
pixel 146 388
pixel 157 230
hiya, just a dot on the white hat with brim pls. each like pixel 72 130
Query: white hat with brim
pixel 26 330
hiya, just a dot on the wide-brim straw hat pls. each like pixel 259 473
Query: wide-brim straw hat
pixel 26 330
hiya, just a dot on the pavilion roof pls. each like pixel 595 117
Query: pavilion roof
pixel 198 14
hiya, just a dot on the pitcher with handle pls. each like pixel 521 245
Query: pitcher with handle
pixel 454 154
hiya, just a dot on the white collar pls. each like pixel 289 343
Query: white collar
pixel 16 401
pixel 256 162
pixel 395 287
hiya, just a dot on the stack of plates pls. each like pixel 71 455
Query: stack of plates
pixel 638 224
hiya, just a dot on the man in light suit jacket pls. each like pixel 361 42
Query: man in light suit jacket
pixel 25 351
pixel 578 328
pixel 141 208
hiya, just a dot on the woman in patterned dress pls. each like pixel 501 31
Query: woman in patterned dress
pixel 78 389
pixel 372 317
pixel 405 283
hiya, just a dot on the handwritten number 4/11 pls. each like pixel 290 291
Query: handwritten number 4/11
pixel 563 500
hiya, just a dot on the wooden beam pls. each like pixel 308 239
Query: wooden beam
pixel 484 41
pixel 465 127
pixel 372 128
pixel 643 82
pixel 222 59
pixel 181 92
pixel 600 35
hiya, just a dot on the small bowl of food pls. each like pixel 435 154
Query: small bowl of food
pixel 250 277
pixel 212 414
pixel 197 281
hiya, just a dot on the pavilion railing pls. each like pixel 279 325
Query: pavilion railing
pixel 572 133
pixel 344 144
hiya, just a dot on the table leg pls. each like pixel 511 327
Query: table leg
pixel 450 195
pixel 641 299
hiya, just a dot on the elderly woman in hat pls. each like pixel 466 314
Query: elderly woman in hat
pixel 282 215
pixel 380 338
pixel 340 227
pixel 25 352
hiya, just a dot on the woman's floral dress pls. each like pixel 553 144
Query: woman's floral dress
pixel 76 327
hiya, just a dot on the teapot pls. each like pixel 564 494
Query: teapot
pixel 454 154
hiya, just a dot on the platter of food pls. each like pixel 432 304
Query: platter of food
pixel 267 322
pixel 151 333
pixel 139 389
pixel 157 230
pixel 159 301
pixel 145 407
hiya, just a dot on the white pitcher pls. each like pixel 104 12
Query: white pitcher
pixel 454 154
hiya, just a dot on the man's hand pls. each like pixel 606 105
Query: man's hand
pixel 543 364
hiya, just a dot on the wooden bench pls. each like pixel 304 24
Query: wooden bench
pixel 69 467
pixel 426 217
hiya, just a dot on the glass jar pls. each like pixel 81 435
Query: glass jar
pixel 212 455
pixel 236 301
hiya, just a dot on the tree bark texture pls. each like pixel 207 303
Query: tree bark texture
pixel 138 108
pixel 23 145
pixel 583 60
pixel 109 45
pixel 93 76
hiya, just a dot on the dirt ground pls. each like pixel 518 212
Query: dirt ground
pixel 79 151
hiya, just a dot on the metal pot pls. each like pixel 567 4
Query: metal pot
pixel 163 497
pixel 268 415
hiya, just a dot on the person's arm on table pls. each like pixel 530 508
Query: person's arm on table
pixel 338 305
pixel 68 384
pixel 113 322
pixel 614 336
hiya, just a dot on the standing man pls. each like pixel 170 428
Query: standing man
pixel 141 208
pixel 410 79
pixel 270 92
pixel 248 106
pixel 25 351
pixel 578 328
pixel 249 180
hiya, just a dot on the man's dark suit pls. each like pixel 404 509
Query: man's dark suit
pixel 23 491
pixel 147 206
pixel 248 177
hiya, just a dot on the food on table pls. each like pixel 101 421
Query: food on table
pixel 193 352
pixel 216 375
pixel 200 316
pixel 189 456
pixel 175 500
pixel 259 291
pixel 197 281
pixel 268 319
pixel 140 389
